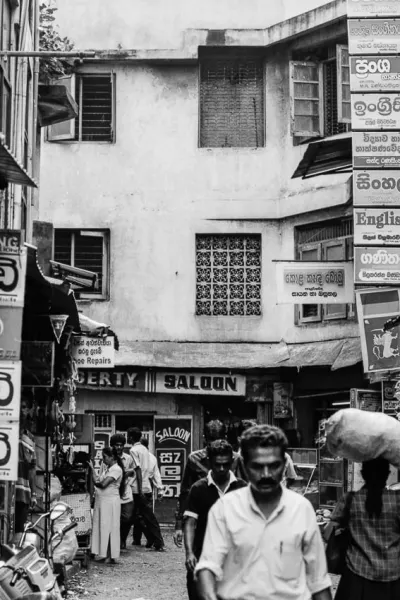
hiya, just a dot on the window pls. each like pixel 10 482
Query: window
pixel 232 101
pixel 94 95
pixel 332 240
pixel 228 275
pixel 320 94
pixel 102 421
pixel 88 250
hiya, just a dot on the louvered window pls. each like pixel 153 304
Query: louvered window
pixel 86 250
pixel 232 102
pixel 94 97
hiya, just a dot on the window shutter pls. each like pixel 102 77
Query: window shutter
pixel 66 129
pixel 310 313
pixel 334 250
pixel 306 103
pixel 95 108
pixel 343 84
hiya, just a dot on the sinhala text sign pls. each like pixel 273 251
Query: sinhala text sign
pixel 376 227
pixel 373 8
pixel 379 150
pixel 9 450
pixel 377 266
pixel 314 282
pixel 374 36
pixel 370 112
pixel 376 188
pixel 375 73
pixel 10 390
pixel 93 352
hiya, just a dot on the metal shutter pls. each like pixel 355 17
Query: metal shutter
pixel 95 100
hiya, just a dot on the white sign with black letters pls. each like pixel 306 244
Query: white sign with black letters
pixel 9 451
pixel 10 390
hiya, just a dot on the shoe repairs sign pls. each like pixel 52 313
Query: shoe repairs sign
pixel 314 282
pixel 93 352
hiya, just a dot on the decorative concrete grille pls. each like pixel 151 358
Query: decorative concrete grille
pixel 228 275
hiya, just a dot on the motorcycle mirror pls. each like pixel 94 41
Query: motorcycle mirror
pixel 57 511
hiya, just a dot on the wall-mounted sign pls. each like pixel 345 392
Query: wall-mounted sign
pixel 376 150
pixel 375 73
pixel 118 378
pixel 201 383
pixel 12 278
pixel 9 451
pixel 10 241
pixel 10 390
pixel 391 396
pixel 37 364
pixel 376 188
pixel 371 112
pixel 282 400
pixel 10 333
pixel 377 266
pixel 93 352
pixel 314 282
pixel 376 227
pixel 370 400
pixel 373 8
pixel 374 36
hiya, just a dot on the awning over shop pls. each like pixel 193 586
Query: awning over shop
pixel 330 155
pixel 12 170
pixel 335 354
pixel 55 105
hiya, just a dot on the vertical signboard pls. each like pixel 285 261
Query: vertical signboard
pixel 173 444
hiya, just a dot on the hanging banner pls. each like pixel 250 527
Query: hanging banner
pixel 9 451
pixel 376 226
pixel 10 390
pixel 375 73
pixel 376 150
pixel 377 266
pixel 93 352
pixel 370 112
pixel 374 36
pixel 58 323
pixel 314 282
pixel 376 188
pixel 373 8
pixel 12 278
pixel 173 444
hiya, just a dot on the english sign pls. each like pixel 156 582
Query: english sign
pixel 371 112
pixel 376 227
pixel 373 8
pixel 376 150
pixel 374 36
pixel 201 383
pixel 314 282
pixel 118 378
pixel 376 188
pixel 375 73
pixel 93 352
pixel 377 266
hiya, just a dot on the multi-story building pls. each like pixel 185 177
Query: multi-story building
pixel 175 185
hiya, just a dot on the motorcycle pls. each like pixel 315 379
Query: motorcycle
pixel 23 571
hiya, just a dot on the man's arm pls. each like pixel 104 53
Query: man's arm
pixel 324 595
pixel 188 479
pixel 318 580
pixel 207 585
pixel 189 530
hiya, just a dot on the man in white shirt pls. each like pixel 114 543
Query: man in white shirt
pixel 263 541
pixel 144 518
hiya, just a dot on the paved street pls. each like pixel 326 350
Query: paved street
pixel 141 575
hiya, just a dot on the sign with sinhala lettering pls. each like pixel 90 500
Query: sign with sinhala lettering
pixel 373 8
pixel 374 36
pixel 375 73
pixel 380 150
pixel 370 112
pixel 376 227
pixel 377 266
pixel 376 188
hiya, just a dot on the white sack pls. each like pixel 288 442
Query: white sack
pixel 360 435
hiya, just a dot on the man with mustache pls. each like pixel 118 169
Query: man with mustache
pixel 263 541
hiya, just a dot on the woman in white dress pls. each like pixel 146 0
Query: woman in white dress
pixel 107 507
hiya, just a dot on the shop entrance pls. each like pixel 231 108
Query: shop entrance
pixel 231 411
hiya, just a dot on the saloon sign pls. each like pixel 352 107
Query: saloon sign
pixel 370 112
pixel 314 282
pixel 376 266
pixel 373 8
pixel 374 36
pixel 377 227
pixel 376 150
pixel 376 188
pixel 201 383
pixel 375 73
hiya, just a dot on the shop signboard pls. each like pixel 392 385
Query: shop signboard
pixel 379 150
pixel 371 112
pixel 370 400
pixel 119 378
pixel 391 396
pixel 93 352
pixel 9 450
pixel 10 333
pixel 375 73
pixel 376 188
pixel 10 390
pixel 101 441
pixel 314 282
pixel 380 349
pixel 173 444
pixel 12 278
pixel 376 227
pixel 373 8
pixel 374 36
pixel 376 266
pixel 201 383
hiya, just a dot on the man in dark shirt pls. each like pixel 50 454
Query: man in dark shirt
pixel 203 494
pixel 197 466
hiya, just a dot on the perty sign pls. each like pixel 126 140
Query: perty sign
pixel 375 73
pixel 314 283
pixel 370 112
pixel 374 36
pixel 373 8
